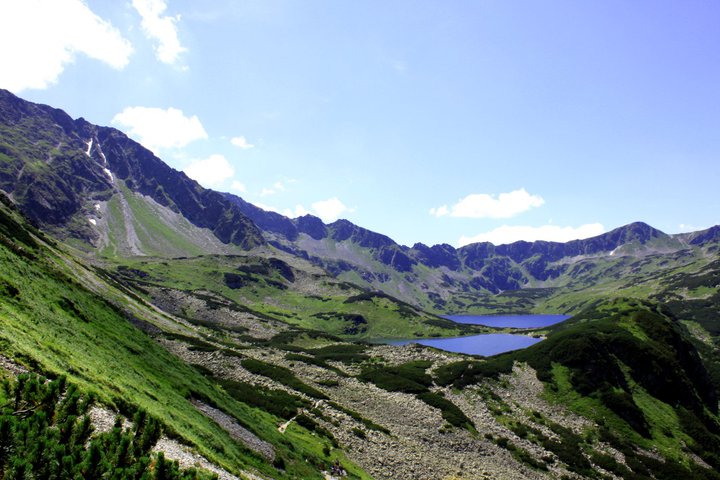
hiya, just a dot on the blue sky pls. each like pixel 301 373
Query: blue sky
pixel 435 122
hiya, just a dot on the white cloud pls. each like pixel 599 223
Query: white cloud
pixel 40 37
pixel 509 234
pixel 330 209
pixel 266 207
pixel 482 205
pixel 685 228
pixel 276 187
pixel 211 171
pixel 241 142
pixel 160 28
pixel 238 187
pixel 439 211
pixel 156 128
pixel 298 211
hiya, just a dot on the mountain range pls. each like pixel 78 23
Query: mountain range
pixel 96 186
pixel 235 329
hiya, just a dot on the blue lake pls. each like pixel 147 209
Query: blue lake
pixel 516 321
pixel 491 343
pixel 486 345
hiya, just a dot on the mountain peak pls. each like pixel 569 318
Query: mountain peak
pixel 639 232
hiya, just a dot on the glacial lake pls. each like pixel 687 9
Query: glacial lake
pixel 491 343
pixel 515 321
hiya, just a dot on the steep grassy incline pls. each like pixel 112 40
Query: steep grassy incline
pixel 133 224
pixel 56 326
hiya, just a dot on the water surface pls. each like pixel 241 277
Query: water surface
pixel 515 321
pixel 491 343
pixel 486 345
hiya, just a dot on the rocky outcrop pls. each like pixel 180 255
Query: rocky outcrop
pixel 236 431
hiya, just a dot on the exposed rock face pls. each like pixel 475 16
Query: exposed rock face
pixel 705 236
pixel 443 255
pixel 44 165
pixel 269 222
pixel 312 226
pixel 56 168
pixel 237 431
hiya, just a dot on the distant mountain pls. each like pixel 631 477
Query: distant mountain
pixel 98 188
pixel 439 276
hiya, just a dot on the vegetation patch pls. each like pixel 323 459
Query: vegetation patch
pixel 411 377
pixel 450 412
pixel 359 418
pixel 347 353
pixel 281 375
pixel 45 432
pixel 407 378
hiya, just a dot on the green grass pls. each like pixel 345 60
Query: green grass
pixel 54 325
pixel 248 281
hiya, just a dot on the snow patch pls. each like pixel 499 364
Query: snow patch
pixel 97 207
pixel 93 221
pixel 89 144
pixel 109 174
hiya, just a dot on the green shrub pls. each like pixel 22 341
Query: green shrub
pixel 450 412
pixel 277 402
pixel 282 375
pixel 45 433
pixel 356 416
pixel 408 378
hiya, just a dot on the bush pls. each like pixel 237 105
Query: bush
pixel 450 412
pixel 408 378
pixel 276 402
pixel 282 375
pixel 369 424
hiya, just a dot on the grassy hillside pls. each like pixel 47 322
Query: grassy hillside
pixel 131 224
pixel 631 367
pixel 54 325
pixel 288 290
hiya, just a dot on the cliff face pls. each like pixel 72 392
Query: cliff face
pixel 56 169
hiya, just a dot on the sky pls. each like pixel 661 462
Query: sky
pixel 428 121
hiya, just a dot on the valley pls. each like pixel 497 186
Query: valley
pixel 221 322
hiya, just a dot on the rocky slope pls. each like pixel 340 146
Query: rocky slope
pixel 60 172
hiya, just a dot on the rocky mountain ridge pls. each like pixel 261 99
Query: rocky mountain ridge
pixel 57 169
pixel 96 185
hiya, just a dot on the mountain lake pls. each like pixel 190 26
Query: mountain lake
pixel 514 321
pixel 490 343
